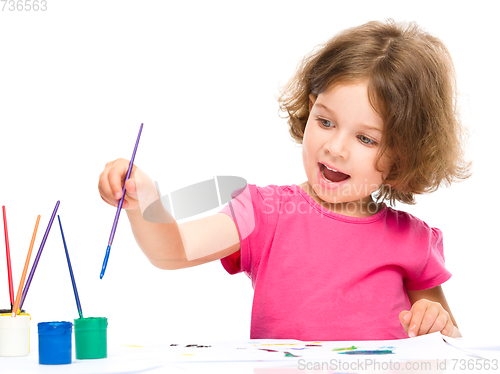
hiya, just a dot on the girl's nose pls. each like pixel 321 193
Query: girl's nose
pixel 337 145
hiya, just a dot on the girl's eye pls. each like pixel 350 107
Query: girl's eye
pixel 363 139
pixel 325 122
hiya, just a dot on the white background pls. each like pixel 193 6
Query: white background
pixel 77 80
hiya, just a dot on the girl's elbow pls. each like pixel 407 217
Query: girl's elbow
pixel 167 264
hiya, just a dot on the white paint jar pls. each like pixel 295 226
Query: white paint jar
pixel 14 335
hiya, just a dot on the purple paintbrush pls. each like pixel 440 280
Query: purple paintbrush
pixel 37 258
pixel 118 210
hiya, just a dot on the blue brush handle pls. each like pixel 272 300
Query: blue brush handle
pixel 78 305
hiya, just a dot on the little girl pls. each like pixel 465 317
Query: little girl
pixel 374 110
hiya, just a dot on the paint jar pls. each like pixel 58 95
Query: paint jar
pixel 14 335
pixel 5 311
pixel 54 343
pixel 91 338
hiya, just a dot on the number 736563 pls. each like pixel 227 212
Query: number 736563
pixel 24 5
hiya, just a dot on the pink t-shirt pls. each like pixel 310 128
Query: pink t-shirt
pixel 319 275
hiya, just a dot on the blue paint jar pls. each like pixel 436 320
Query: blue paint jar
pixel 54 343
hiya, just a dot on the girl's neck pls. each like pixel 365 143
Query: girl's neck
pixel 361 208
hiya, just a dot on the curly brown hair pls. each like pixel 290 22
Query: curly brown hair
pixel 411 85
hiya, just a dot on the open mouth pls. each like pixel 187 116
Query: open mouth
pixel 332 175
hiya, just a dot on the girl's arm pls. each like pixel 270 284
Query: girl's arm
pixel 171 246
pixel 166 245
pixel 429 313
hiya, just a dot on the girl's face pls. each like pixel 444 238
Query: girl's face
pixel 343 134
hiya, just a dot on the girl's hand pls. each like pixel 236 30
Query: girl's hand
pixel 111 184
pixel 426 317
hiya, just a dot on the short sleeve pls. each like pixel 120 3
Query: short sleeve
pixel 251 210
pixel 434 271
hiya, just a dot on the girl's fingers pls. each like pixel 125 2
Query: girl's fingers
pixel 103 185
pixel 131 189
pixel 129 202
pixel 448 329
pixel 428 319
pixel 418 311
pixel 106 181
pixel 111 183
pixel 405 318
pixel 440 322
pixel 106 200
pixel 105 191
pixel 116 177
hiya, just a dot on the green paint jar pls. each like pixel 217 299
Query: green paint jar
pixel 91 338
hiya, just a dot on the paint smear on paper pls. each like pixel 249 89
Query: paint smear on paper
pixel 369 352
pixel 344 349
pixel 133 346
pixel 197 346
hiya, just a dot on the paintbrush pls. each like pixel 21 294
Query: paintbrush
pixel 25 270
pixel 78 305
pixel 9 266
pixel 37 258
pixel 119 208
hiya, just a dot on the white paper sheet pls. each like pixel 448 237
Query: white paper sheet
pixel 246 357
pixel 489 349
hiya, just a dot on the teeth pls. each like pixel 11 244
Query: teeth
pixel 331 169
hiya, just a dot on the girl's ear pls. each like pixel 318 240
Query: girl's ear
pixel 312 100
